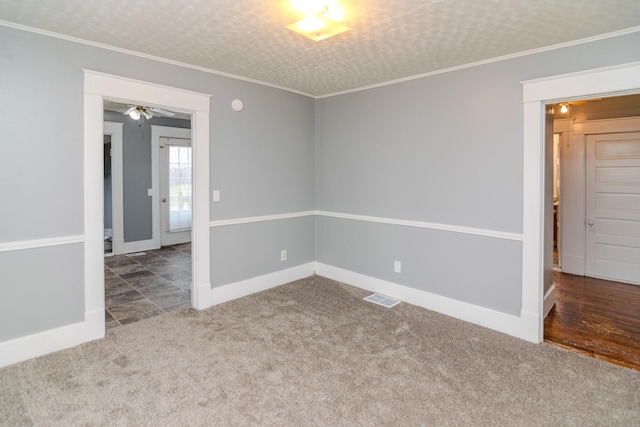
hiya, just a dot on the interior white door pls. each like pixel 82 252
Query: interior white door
pixel 613 207
pixel 175 190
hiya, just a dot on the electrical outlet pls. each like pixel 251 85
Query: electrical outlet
pixel 283 255
pixel 397 266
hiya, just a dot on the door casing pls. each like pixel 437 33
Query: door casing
pixel 98 87
pixel 603 82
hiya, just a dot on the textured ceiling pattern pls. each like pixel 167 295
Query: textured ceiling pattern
pixel 388 40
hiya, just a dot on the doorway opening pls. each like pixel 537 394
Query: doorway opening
pixel 147 274
pixel 596 184
pixel 597 169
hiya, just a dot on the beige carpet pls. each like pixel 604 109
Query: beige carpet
pixel 313 353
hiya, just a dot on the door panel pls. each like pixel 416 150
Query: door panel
pixel 175 191
pixel 613 207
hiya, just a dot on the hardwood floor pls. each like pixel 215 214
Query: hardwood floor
pixel 599 318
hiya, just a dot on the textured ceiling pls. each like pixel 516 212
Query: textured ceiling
pixel 388 40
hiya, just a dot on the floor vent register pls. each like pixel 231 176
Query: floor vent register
pixel 382 300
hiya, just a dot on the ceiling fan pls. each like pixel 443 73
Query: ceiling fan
pixel 137 111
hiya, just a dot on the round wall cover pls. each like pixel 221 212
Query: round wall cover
pixel 237 105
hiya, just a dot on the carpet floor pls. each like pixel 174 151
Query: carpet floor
pixel 312 352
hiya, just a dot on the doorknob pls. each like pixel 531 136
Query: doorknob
pixel 164 200
pixel 590 222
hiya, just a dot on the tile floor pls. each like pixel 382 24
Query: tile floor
pixel 139 286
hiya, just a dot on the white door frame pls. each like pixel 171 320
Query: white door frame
pixel 603 82
pixel 97 87
pixel 114 130
pixel 158 132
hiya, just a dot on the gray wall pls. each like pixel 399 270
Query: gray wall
pixel 136 171
pixel 262 159
pixel 443 149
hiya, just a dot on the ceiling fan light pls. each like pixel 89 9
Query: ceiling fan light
pixel 134 114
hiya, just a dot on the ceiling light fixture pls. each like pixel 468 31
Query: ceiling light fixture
pixel 134 114
pixel 320 21
pixel 564 108
pixel 136 111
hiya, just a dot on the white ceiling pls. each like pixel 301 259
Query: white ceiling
pixel 388 40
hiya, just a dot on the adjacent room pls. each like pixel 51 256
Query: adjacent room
pixel 319 213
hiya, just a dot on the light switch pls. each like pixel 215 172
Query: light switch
pixel 216 195
pixel 150 192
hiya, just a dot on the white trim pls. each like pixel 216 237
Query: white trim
pixel 158 132
pixel 536 93
pixel 93 194
pixel 139 246
pixel 200 234
pixel 31 346
pixel 122 88
pixel 94 324
pixel 549 300
pixel 573 85
pixel 232 291
pixel 488 61
pixel 247 220
pixel 98 86
pixel 115 130
pixel 482 316
pixel 40 243
pixel 429 225
pixel 263 83
pixel 402 222
pixel 617 125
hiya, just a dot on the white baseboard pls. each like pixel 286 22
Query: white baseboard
pixel 31 346
pixel 530 329
pixel 201 297
pixel 232 291
pixel 94 325
pixel 118 246
pixel 488 318
pixel 549 300
pixel 139 246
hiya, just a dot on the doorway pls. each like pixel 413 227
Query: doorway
pixel 598 228
pixel 601 171
pixel 146 277
pixel 97 87
pixel 537 295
